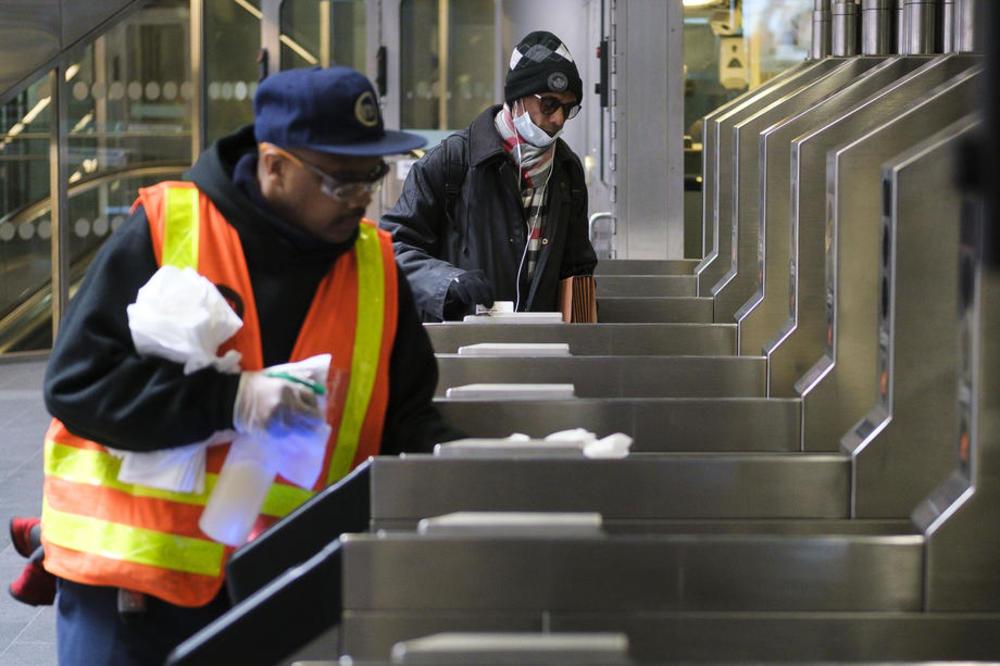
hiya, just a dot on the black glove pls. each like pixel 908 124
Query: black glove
pixel 465 292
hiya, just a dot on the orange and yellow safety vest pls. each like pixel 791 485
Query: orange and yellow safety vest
pixel 100 531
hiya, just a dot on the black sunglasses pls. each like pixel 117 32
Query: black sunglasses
pixel 549 105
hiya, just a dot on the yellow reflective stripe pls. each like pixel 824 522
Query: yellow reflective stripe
pixel 282 499
pixel 180 227
pixel 132 544
pixel 96 468
pixel 367 349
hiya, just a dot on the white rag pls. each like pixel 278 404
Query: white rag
pixel 180 315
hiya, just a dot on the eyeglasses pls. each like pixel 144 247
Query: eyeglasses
pixel 550 104
pixel 338 190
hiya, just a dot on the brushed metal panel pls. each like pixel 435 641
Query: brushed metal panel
pixel 716 264
pixel 30 34
pixel 709 154
pixel 844 383
pixel 960 517
pixel 404 571
pixel 615 376
pixel 796 637
pixel 761 317
pixel 645 267
pixel 595 339
pixel 671 424
pixel 371 634
pixel 734 424
pixel 617 309
pixel 905 446
pixel 738 283
pixel 652 485
pixel 647 285
pixel 802 338
pixel 648 175
pixel 822 526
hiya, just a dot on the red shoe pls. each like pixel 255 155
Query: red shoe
pixel 25 534
pixel 35 586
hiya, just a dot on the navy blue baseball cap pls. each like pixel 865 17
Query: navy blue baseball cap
pixel 330 110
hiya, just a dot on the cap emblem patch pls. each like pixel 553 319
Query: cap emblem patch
pixel 558 81
pixel 366 110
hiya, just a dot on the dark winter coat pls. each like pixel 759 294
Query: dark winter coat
pixel 461 209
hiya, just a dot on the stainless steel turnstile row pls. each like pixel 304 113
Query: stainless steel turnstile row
pixel 831 494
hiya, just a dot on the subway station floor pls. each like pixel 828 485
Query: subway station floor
pixel 27 633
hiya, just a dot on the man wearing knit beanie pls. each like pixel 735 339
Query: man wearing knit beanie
pixel 498 211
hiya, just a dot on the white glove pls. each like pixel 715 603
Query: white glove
pixel 275 406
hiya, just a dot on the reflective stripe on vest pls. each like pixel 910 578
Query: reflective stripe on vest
pixel 181 222
pixel 367 344
pixel 181 245
pixel 98 468
pixel 129 543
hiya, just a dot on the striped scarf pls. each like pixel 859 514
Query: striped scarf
pixel 536 168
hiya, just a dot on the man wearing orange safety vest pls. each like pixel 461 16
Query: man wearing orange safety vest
pixel 273 216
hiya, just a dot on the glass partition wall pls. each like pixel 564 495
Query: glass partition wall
pixel 25 226
pixel 446 62
pixel 122 119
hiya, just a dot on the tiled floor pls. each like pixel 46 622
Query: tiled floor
pixel 27 634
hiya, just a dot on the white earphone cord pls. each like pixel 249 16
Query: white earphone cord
pixel 527 230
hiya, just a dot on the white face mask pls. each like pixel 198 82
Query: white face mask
pixel 531 132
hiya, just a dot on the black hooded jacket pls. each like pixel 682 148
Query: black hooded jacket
pixel 101 389
pixel 485 227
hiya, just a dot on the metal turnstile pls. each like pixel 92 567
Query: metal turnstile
pixel 845 376
pixel 802 338
pixel 717 179
pixel 762 316
pixel 736 286
pixel 710 160
pixel 905 446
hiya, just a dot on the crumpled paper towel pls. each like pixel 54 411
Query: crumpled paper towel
pixel 180 315
pixel 616 445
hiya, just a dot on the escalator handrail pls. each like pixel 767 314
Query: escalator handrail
pixel 38 208
pixel 36 305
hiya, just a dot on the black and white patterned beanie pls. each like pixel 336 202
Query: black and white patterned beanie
pixel 541 63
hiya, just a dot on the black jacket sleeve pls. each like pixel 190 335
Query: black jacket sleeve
pixel 412 424
pixel 98 385
pixel 579 258
pixel 418 226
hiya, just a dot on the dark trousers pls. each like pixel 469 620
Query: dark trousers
pixel 90 631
